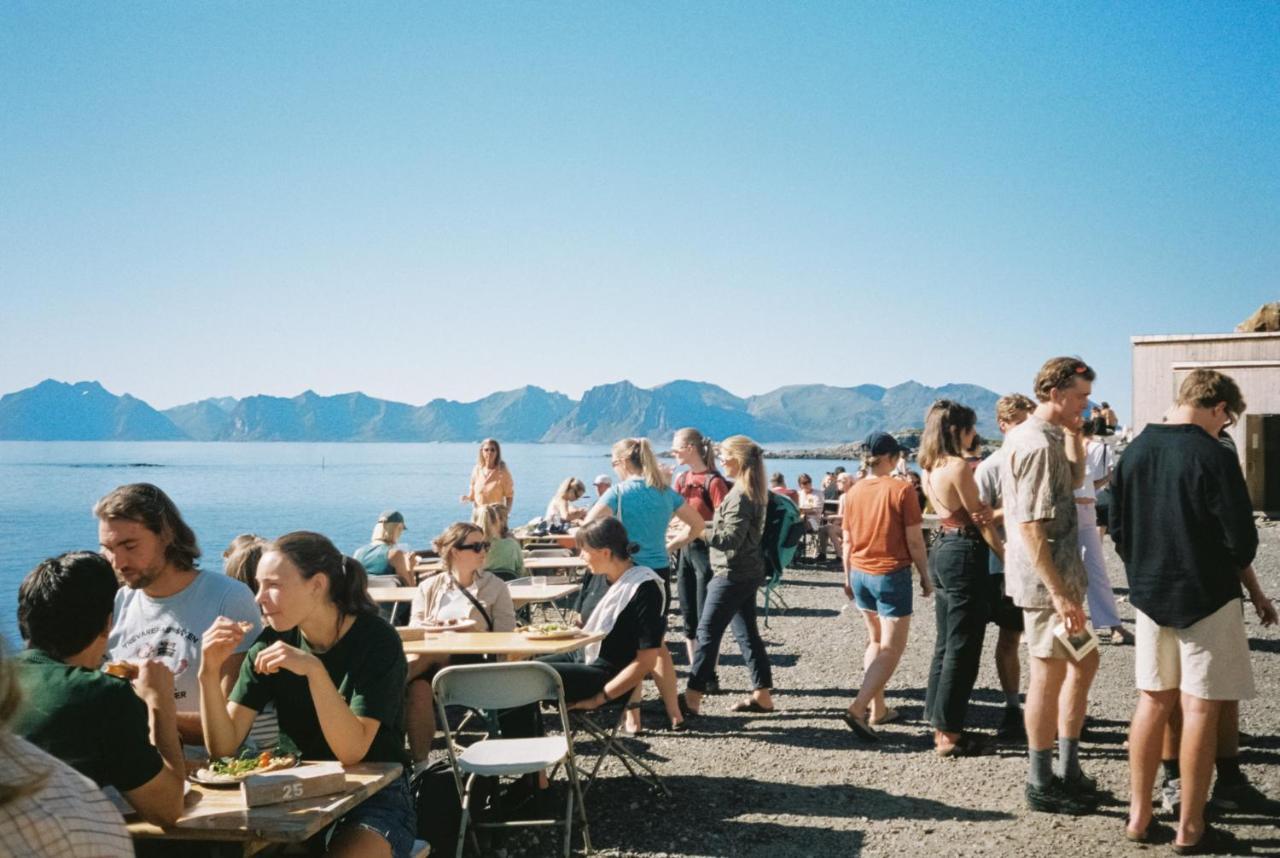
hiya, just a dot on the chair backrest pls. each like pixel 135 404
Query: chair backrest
pixel 507 575
pixel 497 686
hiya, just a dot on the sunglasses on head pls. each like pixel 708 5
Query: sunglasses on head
pixel 477 547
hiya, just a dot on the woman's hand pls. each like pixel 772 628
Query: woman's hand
pixel 281 656
pixel 590 703
pixel 218 643
pixel 464 499
pixel 983 515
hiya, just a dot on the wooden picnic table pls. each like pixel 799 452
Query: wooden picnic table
pixel 214 814
pixel 515 645
pixel 521 594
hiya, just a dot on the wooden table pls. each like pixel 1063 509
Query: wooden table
pixel 221 815
pixel 533 564
pixel 511 644
pixel 391 595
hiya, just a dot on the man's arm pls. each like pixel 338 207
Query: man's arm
pixel 1073 444
pixel 1261 604
pixel 1037 542
pixel 159 800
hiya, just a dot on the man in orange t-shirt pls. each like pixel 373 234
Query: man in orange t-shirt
pixel 883 539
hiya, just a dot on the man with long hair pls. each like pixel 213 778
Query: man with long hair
pixel 167 603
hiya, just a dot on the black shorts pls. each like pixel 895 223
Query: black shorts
pixel 1000 608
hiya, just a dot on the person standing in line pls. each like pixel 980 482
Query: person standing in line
pixel 958 568
pixel 703 489
pixel 166 602
pixel 737 559
pixel 1045 576
pixel 491 480
pixel 645 505
pixel 1007 617
pixel 1182 522
pixel 1103 612
pixel 884 539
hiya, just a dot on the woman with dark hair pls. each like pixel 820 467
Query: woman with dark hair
pixel 464 590
pixel 958 569
pixel 490 479
pixel 336 673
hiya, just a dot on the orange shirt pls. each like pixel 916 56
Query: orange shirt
pixel 877 513
pixel 492 487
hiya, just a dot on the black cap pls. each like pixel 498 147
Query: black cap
pixel 882 444
pixel 392 516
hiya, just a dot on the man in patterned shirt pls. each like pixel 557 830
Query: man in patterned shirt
pixel 1044 575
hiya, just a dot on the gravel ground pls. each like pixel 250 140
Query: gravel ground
pixel 799 783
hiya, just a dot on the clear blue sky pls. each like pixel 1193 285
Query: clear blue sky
pixel 423 200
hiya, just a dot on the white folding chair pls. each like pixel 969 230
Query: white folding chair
pixel 508 686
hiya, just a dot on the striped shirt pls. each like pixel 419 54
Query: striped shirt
pixel 67 817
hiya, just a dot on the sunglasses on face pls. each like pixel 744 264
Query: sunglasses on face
pixel 477 547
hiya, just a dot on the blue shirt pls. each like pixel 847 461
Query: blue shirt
pixel 646 511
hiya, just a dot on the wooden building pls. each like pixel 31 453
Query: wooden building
pixel 1160 363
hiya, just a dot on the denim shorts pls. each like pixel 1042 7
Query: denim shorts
pixel 887 594
pixel 388 813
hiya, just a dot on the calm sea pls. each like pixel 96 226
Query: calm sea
pixel 47 491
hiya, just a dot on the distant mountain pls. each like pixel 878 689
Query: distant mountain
pixel 85 411
pixel 53 410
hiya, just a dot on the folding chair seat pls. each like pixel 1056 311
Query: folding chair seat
pixel 508 686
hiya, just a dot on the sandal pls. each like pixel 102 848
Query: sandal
pixel 890 715
pixel 1214 841
pixel 968 745
pixel 685 709
pixel 679 726
pixel 750 705
pixel 860 727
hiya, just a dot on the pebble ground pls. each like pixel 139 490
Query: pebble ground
pixel 799 783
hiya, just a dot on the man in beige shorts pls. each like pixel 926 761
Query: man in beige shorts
pixel 1184 553
pixel 1044 575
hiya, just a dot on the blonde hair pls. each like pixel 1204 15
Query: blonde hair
pixel 492 519
pixel 240 560
pixel 750 458
pixel 453 536
pixel 637 455
pixel 10 697
pixel 1010 408
pixel 385 531
pixel 1205 388
pixel 501 466
pixel 572 484
pixel 705 446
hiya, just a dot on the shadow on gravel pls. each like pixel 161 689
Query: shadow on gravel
pixel 1271 645
pixel 792 613
pixel 741 817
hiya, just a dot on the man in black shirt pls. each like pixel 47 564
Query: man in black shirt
pixel 1183 524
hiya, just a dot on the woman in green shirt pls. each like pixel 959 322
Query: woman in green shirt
pixel 336 673
pixel 505 554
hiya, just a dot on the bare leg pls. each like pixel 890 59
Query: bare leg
pixel 1172 733
pixel 352 841
pixel 1146 735
pixel 420 718
pixel 880 669
pixel 1047 677
pixel 1008 666
pixel 1195 759
pixel 664 676
pixel 1073 700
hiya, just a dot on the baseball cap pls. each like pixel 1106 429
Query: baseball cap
pixel 602 478
pixel 882 444
pixel 392 516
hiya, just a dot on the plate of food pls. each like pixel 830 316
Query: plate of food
pixel 457 624
pixel 551 631
pixel 230 771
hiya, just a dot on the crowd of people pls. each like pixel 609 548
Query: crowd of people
pixel 288 648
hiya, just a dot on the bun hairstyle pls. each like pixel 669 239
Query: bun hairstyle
pixel 446 543
pixel 944 423
pixel 636 454
pixel 750 458
pixel 705 446
pixel 314 555
pixel 606 533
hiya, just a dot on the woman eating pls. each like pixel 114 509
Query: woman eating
pixel 323 634
pixel 490 479
pixel 462 593
pixel 738 567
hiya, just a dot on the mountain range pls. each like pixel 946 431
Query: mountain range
pixel 85 411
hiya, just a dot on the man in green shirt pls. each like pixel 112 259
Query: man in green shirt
pixel 117 735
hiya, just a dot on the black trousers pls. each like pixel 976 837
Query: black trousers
pixel 958 567
pixel 693 574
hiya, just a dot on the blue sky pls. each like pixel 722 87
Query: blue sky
pixel 421 200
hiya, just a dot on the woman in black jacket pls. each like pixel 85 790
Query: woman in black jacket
pixel 738 567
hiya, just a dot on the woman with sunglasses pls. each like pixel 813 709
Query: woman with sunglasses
pixel 645 505
pixel 463 591
pixel 490 479
pixel 335 671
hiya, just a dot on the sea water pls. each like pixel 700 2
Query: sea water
pixel 47 491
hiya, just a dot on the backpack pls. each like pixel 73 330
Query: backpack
pixel 435 795
pixel 682 480
pixel 783 528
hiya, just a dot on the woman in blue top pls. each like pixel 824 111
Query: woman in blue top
pixel 645 504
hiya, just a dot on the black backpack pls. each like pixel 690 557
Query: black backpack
pixel 435 795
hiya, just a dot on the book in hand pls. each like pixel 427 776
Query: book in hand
pixel 1078 645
